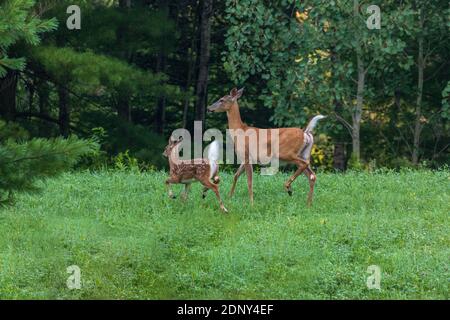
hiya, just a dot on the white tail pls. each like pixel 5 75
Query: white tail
pixel 213 151
pixel 213 157
pixel 312 124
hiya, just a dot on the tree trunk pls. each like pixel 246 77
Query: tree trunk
pixel 421 67
pixel 191 66
pixel 203 60
pixel 64 111
pixel 160 119
pixel 357 112
pixel 31 91
pixel 43 92
pixel 8 89
pixel 339 157
pixel 339 154
pixel 123 107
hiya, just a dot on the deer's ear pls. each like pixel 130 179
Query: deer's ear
pixel 239 93
pixel 233 92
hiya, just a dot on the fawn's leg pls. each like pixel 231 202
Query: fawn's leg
pixel 249 172
pixel 209 185
pixel 169 183
pixel 185 193
pixel 236 177
pixel 312 181
pixel 205 190
pixel 301 166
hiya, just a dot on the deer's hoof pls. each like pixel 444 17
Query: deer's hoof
pixel 203 196
pixel 289 193
pixel 172 196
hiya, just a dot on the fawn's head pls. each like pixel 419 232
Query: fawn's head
pixel 172 144
pixel 225 103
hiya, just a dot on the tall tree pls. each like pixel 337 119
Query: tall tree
pixel 203 59
pixel 429 32
pixel 293 48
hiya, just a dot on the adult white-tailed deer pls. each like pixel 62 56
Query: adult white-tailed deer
pixel 294 144
pixel 187 171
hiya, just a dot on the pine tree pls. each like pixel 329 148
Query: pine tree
pixel 17 23
pixel 23 163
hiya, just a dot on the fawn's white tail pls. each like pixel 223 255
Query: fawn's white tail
pixel 213 157
pixel 313 123
pixel 213 151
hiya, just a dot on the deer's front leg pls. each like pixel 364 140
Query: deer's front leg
pixel 169 183
pixel 185 193
pixel 249 172
pixel 236 177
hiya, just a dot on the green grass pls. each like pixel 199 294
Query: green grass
pixel 132 242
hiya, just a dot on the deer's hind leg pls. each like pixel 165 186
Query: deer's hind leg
pixel 236 177
pixel 205 190
pixel 249 172
pixel 301 166
pixel 209 185
pixel 309 173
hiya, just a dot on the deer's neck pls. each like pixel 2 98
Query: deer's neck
pixel 173 156
pixel 234 118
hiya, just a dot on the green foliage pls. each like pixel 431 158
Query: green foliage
pixel 23 163
pixel 354 163
pixel 95 74
pixel 12 131
pixel 136 32
pixel 302 56
pixel 124 162
pixel 132 242
pixel 262 43
pixel 116 136
pixel 17 22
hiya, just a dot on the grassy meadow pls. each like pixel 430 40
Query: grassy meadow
pixel 132 242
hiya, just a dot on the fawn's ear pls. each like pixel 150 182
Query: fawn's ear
pixel 233 92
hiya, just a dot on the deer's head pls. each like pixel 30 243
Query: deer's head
pixel 224 104
pixel 172 144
